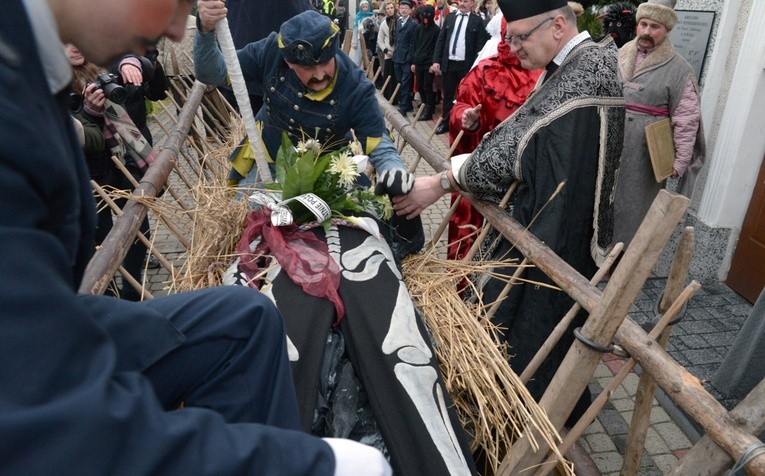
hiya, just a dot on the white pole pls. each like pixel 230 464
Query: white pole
pixel 226 43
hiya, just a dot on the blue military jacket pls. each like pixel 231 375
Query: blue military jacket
pixel 290 107
pixel 70 398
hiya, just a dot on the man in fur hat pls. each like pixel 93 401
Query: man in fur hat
pixel 658 83
pixel 567 132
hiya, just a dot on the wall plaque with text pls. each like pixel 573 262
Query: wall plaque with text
pixel 691 36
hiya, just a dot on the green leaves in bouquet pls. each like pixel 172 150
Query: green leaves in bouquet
pixel 330 176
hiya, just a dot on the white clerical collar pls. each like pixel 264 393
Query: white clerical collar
pixel 55 63
pixel 585 35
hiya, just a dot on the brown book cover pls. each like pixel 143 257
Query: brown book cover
pixel 661 148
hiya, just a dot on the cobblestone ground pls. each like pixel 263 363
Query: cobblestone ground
pixel 699 343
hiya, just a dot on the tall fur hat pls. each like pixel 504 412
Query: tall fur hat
pixel 660 11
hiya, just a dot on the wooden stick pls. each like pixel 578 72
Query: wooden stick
pixel 135 284
pixel 118 212
pixel 579 364
pixel 385 85
pixel 394 94
pixel 105 262
pixel 442 226
pixel 377 74
pixel 647 386
pixel 706 458
pixel 600 401
pixel 506 290
pixel 562 326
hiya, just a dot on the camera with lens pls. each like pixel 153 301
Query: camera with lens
pixel 75 103
pixel 109 83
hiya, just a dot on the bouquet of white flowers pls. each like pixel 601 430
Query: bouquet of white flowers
pixel 317 185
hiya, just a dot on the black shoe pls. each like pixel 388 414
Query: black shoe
pixel 152 262
pixel 442 128
pixel 403 111
pixel 426 117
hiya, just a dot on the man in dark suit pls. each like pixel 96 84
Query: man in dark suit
pixel 94 384
pixel 457 47
pixel 403 54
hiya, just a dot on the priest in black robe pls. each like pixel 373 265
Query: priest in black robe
pixel 568 132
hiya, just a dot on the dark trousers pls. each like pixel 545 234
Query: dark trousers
pixel 425 87
pixel 234 358
pixel 404 77
pixel 389 72
pixel 456 70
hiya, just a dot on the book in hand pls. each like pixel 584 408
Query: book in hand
pixel 661 148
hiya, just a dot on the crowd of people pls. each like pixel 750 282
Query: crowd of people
pixel 223 381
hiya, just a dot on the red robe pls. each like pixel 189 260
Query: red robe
pixel 500 85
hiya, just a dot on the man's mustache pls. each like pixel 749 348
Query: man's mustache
pixel 646 38
pixel 319 81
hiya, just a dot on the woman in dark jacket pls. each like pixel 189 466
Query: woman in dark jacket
pixel 99 145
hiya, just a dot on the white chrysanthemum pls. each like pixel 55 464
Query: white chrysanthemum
pixel 344 166
pixel 309 145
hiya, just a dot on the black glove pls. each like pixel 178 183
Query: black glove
pixel 394 182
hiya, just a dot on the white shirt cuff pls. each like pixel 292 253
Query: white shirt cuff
pixel 457 162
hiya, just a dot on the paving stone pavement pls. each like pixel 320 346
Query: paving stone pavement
pixel 699 343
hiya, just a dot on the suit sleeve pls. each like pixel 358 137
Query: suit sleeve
pixel 438 53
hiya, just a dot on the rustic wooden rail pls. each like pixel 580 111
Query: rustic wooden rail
pixel 108 258
pixel 607 312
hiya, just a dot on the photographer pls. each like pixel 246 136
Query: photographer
pixel 91 87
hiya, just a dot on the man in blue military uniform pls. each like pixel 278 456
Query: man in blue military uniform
pixel 311 90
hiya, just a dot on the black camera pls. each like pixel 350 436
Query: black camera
pixel 112 90
pixel 75 103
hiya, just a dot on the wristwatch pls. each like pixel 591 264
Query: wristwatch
pixel 445 184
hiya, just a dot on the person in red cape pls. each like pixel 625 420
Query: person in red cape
pixel 488 94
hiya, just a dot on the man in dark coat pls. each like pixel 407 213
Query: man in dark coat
pixel 425 37
pixel 461 38
pixel 403 54
pixel 568 131
pixel 94 384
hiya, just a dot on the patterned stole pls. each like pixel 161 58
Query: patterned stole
pixel 118 125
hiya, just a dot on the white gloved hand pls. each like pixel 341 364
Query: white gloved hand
pixel 355 459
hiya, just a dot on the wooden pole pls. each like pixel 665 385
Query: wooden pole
pixel 114 248
pixel 706 458
pixel 562 326
pixel 646 388
pixel 688 391
pixel 600 401
pixel 605 317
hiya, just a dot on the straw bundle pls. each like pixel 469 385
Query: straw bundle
pixel 492 402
